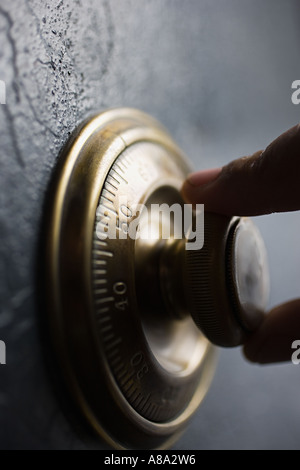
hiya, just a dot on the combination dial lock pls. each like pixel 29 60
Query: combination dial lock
pixel 132 322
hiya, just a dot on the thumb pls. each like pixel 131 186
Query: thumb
pixel 273 340
pixel 262 183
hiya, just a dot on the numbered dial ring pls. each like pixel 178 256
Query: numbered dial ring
pixel 134 372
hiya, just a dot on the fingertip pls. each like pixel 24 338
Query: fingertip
pixel 272 342
pixel 195 183
pixel 273 350
pixel 248 354
pixel 199 178
pixel 185 191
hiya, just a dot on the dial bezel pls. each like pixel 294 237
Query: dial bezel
pixel 79 178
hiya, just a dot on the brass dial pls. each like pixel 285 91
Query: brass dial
pixel 119 308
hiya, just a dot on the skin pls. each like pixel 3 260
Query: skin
pixel 263 183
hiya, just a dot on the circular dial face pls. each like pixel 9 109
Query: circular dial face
pixel 136 373
pixel 155 362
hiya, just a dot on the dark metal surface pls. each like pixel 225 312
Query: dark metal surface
pixel 218 76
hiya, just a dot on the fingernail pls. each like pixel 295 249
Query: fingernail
pixel 203 177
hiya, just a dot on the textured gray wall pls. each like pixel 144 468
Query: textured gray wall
pixel 218 75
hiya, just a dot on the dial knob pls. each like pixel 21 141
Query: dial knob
pixel 226 283
pixel 224 286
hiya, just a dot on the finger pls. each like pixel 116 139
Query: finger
pixel 273 340
pixel 262 183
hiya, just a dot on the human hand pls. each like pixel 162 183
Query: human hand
pixel 263 183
